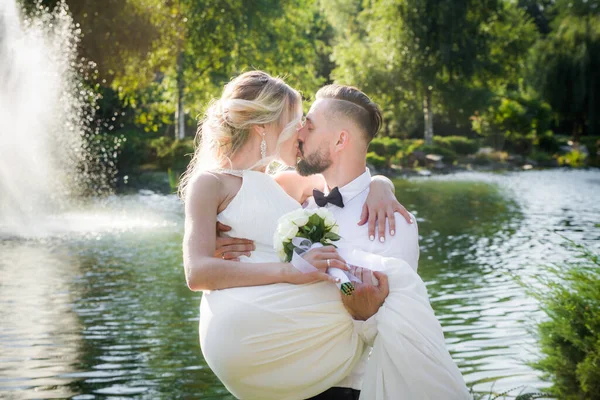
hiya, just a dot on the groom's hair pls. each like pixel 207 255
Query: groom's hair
pixel 355 105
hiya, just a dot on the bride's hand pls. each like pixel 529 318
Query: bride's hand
pixel 324 258
pixel 319 259
pixel 381 204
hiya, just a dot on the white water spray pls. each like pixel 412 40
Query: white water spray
pixel 42 109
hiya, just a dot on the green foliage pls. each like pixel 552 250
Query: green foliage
pixel 494 67
pixel 573 159
pixel 400 51
pixel 548 143
pixel 592 143
pixel 377 146
pixel 135 150
pixel 392 145
pixel 449 156
pixel 170 153
pixel 513 123
pixel 489 158
pixel 390 149
pixel 459 144
pixel 152 52
pixel 565 65
pixel 570 337
pixel 386 146
pixel 542 158
pixel 173 180
pixel 377 161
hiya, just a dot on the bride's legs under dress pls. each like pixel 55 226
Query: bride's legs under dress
pixel 296 341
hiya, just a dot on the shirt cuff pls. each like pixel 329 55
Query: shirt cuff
pixel 367 330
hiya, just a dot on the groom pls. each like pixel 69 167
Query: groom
pixel 334 141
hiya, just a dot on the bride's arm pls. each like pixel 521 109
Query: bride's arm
pixel 204 272
pixel 381 204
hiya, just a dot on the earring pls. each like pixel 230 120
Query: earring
pixel 263 147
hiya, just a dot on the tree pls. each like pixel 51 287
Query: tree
pixel 440 56
pixel 566 65
pixel 167 59
pixel 216 40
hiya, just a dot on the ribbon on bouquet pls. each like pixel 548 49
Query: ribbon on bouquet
pixel 303 245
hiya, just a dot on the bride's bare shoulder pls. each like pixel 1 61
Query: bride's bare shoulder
pixel 202 184
pixel 213 188
pixel 297 186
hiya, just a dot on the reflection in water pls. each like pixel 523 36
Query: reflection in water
pixel 40 336
pixel 98 307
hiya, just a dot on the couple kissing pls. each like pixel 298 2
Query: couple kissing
pixel 269 330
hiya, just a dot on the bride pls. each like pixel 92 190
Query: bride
pixel 267 330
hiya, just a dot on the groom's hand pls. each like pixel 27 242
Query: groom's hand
pixel 229 248
pixel 367 297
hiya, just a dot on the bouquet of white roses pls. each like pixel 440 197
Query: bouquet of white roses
pixel 301 230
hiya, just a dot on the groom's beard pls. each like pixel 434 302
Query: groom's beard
pixel 315 163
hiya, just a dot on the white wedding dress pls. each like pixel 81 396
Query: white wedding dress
pixel 286 341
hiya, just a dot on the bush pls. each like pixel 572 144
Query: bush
pixel 449 155
pixel 574 159
pixel 542 158
pixel 514 123
pixel 570 338
pixel 488 158
pixel 547 142
pixel 593 145
pixel 459 144
pixel 387 148
pixel 412 145
pixel 377 146
pixel 392 146
pixel 377 161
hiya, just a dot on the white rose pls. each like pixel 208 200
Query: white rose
pixel 280 249
pixel 335 229
pixel 290 233
pixel 282 255
pixel 330 220
pixel 277 243
pixel 286 218
pixel 299 217
pixel 322 212
pixel 284 226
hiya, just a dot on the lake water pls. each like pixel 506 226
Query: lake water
pixel 98 307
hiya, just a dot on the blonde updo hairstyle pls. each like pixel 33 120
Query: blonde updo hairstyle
pixel 253 98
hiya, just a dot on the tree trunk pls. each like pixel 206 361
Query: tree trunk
pixel 179 112
pixel 428 115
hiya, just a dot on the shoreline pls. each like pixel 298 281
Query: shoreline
pixel 161 181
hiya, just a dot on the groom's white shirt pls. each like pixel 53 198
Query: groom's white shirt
pixel 404 245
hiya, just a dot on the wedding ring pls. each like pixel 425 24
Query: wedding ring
pixel 328 263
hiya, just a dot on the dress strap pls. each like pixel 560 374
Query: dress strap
pixel 234 172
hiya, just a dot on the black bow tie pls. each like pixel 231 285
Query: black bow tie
pixel 334 197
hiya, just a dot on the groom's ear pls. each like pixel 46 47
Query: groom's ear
pixel 342 141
